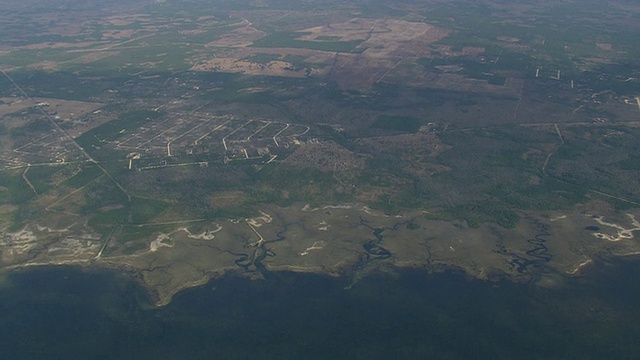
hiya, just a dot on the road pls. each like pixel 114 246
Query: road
pixel 66 134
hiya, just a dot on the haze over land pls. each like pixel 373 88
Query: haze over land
pixel 182 140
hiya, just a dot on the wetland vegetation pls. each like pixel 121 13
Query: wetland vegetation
pixel 182 142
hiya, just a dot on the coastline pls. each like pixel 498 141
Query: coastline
pixel 235 316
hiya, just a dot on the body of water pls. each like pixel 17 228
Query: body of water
pixel 64 313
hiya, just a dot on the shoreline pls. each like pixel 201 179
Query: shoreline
pixel 161 298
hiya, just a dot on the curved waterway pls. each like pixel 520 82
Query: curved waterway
pixel 69 313
pixel 374 251
pixel 537 256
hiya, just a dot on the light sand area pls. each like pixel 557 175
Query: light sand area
pixel 623 233
pixel 318 245
pixel 44 245
pixel 258 221
pixel 580 266
pixel 162 240
pixel 167 240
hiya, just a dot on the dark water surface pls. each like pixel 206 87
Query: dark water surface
pixel 69 313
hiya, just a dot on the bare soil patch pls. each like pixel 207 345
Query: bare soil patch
pixel 508 39
pixel 232 65
pixel 124 20
pixel 44 65
pixel 118 34
pixel 389 44
pixel 58 45
pixel 69 111
pixel 240 37
pixel 10 105
pixel 7 208
pixel 604 46
pixel 93 56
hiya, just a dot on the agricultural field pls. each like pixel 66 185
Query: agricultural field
pixel 186 140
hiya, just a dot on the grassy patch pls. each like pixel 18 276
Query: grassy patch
pixel 134 247
pixel 87 174
pixel 262 58
pixel 144 210
pixel 287 185
pixel 134 234
pixel 116 128
pixel 13 189
pixel 109 218
pixel 477 213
